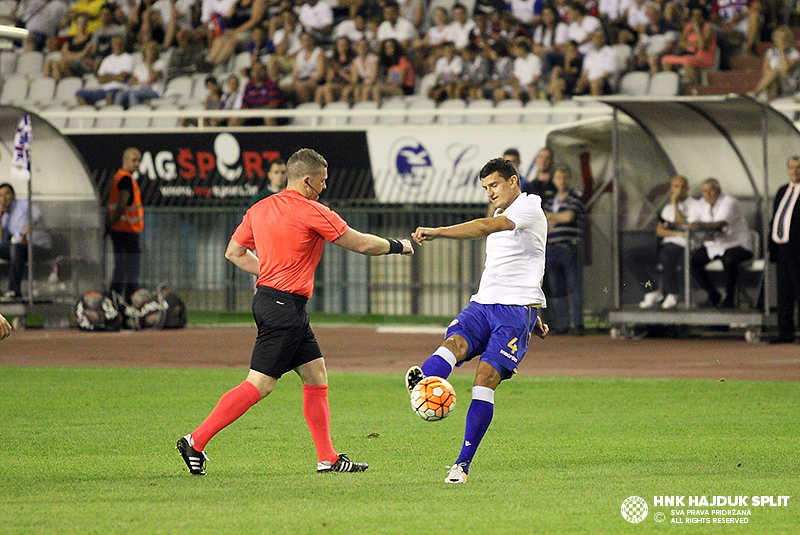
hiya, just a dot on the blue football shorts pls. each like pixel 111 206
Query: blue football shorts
pixel 499 333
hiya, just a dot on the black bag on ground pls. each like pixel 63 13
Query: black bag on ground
pixel 98 311
pixel 176 313
pixel 162 309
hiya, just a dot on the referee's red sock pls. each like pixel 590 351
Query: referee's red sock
pixel 318 417
pixel 229 408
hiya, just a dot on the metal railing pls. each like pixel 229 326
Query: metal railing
pixel 78 120
pixel 184 248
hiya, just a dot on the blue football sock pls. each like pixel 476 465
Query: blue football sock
pixel 479 416
pixel 440 364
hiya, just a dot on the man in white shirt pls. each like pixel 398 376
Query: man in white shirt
pixel 728 239
pixel 499 321
pixel 581 26
pixel 354 29
pixel 600 70
pixel 395 27
pixel 527 70
pixel 526 11
pixel 461 28
pixel 114 73
pixel 784 250
pixel 671 229
pixel 612 11
pixel 316 17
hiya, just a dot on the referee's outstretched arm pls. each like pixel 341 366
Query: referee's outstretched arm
pixel 371 245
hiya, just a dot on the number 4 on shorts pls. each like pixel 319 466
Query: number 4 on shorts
pixel 513 345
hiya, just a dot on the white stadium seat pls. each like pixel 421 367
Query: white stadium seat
pixel 135 121
pixel 179 88
pixel 109 117
pixel 30 64
pixel 15 90
pixel 334 120
pixel 664 84
pixel 40 93
pixel 479 118
pixel 635 84
pixel 539 112
pixel 425 107
pixel 66 89
pixel 397 103
pixel 365 120
pixel 506 118
pixel 309 120
pixel 452 104
pixel 571 112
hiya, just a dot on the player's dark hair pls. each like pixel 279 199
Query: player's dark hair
pixel 9 186
pixel 501 166
pixel 305 162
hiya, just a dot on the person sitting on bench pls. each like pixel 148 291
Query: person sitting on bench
pixel 14 238
pixel 728 238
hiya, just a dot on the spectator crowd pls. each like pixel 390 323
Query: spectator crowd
pixel 285 53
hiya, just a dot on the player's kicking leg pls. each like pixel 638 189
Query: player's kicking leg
pixel 440 364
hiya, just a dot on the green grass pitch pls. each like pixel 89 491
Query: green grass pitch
pixel 90 450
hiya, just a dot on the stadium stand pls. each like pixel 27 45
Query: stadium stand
pixel 24 64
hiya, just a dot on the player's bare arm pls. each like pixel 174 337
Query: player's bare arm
pixel 242 257
pixel 477 228
pixel 369 244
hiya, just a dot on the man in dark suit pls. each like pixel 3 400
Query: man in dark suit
pixel 784 250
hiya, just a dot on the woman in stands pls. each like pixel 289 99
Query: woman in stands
pixel 363 75
pixel 695 49
pixel 337 75
pixel 398 79
pixel 780 75
pixel 76 53
pixel 308 71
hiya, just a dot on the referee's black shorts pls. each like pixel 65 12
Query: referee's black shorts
pixel 285 339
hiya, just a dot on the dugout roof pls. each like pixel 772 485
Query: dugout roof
pixel 62 188
pixel 741 142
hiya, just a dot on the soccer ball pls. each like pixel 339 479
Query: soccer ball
pixel 433 398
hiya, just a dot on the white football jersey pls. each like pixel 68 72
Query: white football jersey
pixel 512 274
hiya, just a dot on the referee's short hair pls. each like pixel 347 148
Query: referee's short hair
pixel 305 162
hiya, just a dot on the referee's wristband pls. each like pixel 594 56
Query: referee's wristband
pixel 395 247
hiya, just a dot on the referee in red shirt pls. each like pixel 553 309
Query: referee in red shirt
pixel 288 230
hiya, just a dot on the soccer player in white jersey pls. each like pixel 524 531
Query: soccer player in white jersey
pixel 499 320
